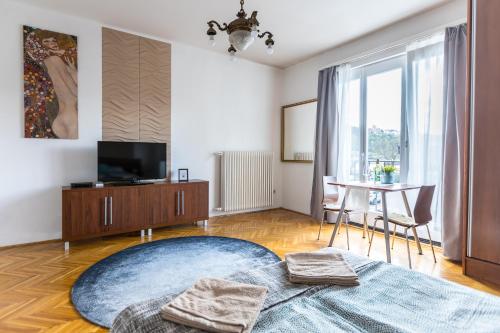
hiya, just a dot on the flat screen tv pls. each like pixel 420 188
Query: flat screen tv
pixel 132 162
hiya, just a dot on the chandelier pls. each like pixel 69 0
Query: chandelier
pixel 242 32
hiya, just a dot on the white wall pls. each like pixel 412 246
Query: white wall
pixel 300 83
pixel 216 105
pixel 221 105
pixel 33 170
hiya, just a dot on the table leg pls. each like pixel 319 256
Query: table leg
pixel 339 217
pixel 407 205
pixel 386 228
pixel 408 212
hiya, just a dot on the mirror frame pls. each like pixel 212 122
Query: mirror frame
pixel 314 100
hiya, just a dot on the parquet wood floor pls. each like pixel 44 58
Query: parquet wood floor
pixel 35 280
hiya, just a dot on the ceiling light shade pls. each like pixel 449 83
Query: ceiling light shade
pixel 255 31
pixel 242 31
pixel 270 50
pixel 270 45
pixel 232 53
pixel 211 41
pixel 241 39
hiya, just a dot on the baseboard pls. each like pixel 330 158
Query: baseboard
pixel 6 247
pixel 253 211
pixel 30 243
pixel 482 270
pixel 294 211
pixel 355 224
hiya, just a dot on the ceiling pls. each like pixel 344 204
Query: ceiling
pixel 302 28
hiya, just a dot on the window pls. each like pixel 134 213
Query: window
pixel 395 109
pixel 376 97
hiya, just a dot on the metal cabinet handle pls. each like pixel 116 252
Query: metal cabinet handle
pixel 177 212
pixel 105 211
pixel 111 210
pixel 182 202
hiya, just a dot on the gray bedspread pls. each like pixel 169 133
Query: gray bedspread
pixel 389 299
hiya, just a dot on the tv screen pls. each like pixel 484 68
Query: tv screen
pixel 131 161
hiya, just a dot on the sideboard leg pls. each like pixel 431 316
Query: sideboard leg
pixel 66 246
pixel 142 233
pixel 150 232
pixel 203 223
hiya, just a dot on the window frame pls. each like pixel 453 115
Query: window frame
pixel 361 73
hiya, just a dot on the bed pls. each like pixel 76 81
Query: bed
pixel 389 299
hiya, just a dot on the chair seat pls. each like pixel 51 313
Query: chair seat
pixel 399 219
pixel 335 208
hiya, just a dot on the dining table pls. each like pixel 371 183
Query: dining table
pixel 383 189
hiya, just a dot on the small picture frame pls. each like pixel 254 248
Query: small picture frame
pixel 183 175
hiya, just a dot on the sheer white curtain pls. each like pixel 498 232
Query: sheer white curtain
pixel 424 119
pixel 344 79
pixel 358 200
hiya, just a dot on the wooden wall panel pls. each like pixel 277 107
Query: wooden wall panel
pixel 136 89
pixel 154 108
pixel 120 86
pixel 485 223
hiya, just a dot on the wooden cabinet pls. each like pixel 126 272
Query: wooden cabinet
pixel 190 202
pixel 153 207
pixel 125 211
pixel 92 212
pixel 84 214
pixel 201 201
pixel 482 195
pixel 185 207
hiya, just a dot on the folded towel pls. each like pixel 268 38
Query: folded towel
pixel 216 305
pixel 320 268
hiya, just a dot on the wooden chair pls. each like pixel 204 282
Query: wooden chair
pixel 331 203
pixel 421 217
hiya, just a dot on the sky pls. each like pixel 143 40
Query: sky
pixel 384 100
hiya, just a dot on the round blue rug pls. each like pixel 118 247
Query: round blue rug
pixel 154 269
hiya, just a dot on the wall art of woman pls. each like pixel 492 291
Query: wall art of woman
pixel 50 84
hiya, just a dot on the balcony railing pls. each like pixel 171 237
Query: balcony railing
pixel 372 163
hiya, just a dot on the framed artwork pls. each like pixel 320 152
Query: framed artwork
pixel 50 84
pixel 183 175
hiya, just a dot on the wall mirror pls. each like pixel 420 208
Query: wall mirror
pixel 298 122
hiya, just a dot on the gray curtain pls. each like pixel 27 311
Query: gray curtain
pixel 455 55
pixel 327 137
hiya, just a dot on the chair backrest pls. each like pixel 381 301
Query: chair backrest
pixel 422 211
pixel 330 192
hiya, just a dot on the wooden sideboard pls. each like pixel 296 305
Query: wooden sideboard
pixel 94 212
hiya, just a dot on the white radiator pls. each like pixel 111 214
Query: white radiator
pixel 246 180
pixel 303 156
